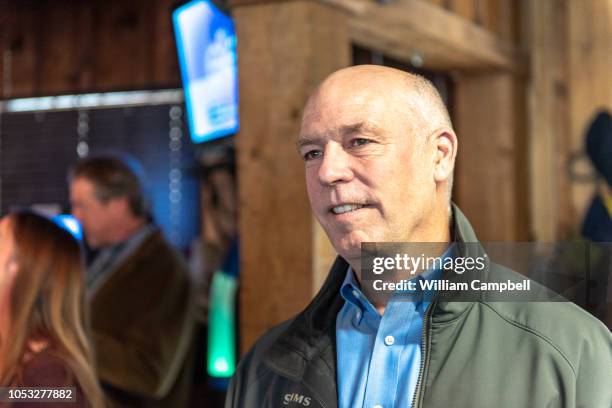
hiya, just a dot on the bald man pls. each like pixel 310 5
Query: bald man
pixel 379 152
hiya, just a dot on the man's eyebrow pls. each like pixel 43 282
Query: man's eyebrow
pixel 359 127
pixel 344 130
pixel 310 140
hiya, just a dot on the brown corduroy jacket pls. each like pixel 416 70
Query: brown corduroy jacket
pixel 142 322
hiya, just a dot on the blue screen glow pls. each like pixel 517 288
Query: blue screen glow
pixel 206 44
pixel 69 223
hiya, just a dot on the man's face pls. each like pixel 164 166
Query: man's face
pixel 369 178
pixel 98 219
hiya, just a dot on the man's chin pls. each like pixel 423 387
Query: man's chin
pixel 350 247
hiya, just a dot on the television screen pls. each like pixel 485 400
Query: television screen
pixel 206 44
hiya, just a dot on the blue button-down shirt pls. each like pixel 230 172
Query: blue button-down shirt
pixel 379 358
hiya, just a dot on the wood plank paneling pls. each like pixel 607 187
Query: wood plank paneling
pixel 464 8
pixel 82 43
pixel 65 46
pixel 501 17
pixel 480 12
pixel 548 121
pixel 68 46
pixel 491 15
pixel 20 55
pixel 59 52
pixel 121 45
pixel 165 66
pixel 487 184
pixel 6 18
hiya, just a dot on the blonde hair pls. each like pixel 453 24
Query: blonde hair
pixel 47 302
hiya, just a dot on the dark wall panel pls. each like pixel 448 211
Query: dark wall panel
pixel 37 150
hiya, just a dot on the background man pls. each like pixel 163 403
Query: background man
pixel 138 287
pixel 379 153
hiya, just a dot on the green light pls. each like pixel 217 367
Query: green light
pixel 221 326
pixel 221 365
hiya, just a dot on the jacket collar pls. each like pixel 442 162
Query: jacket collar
pixel 306 351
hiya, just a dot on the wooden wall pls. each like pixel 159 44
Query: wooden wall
pixel 490 181
pixel 496 16
pixel 570 44
pixel 489 114
pixel 565 81
pixel 52 47
pixel 489 117
pixel 520 118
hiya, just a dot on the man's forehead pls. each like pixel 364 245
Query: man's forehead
pixel 343 104
pixel 319 136
pixel 346 95
pixel 346 106
pixel 336 115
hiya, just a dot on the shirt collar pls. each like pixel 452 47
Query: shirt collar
pixel 351 291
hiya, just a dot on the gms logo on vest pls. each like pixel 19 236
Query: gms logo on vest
pixel 295 397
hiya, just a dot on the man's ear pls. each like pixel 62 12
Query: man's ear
pixel 445 145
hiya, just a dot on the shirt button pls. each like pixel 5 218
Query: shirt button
pixel 355 293
pixel 389 340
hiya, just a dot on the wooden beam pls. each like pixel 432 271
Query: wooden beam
pixel 465 8
pixel 487 121
pixel 548 119
pixel 285 50
pixel 443 38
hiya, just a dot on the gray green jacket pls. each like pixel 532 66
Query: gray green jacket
pixel 475 354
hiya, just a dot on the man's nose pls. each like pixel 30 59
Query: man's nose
pixel 335 166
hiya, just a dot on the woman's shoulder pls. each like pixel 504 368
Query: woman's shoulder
pixel 47 368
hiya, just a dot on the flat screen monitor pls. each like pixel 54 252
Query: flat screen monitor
pixel 206 45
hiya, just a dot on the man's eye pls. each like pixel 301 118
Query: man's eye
pixel 360 142
pixel 312 154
